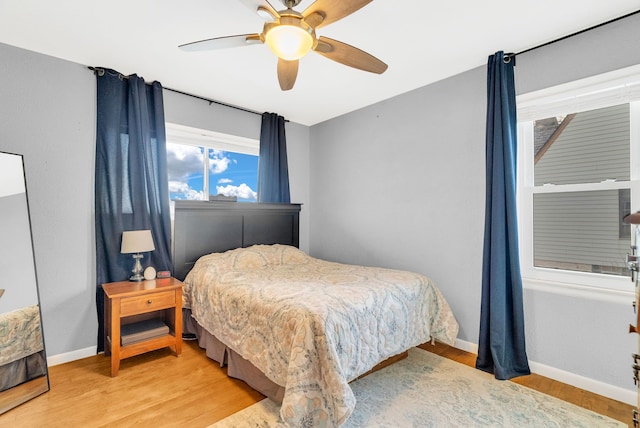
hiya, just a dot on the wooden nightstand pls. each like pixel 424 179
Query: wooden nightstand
pixel 129 302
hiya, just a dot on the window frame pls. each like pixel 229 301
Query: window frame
pixel 619 87
pixel 202 138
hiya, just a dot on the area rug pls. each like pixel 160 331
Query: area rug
pixel 426 390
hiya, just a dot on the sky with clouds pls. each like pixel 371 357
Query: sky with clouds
pixel 230 174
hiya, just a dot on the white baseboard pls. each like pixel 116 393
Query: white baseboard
pixel 78 354
pixel 466 346
pixel 588 384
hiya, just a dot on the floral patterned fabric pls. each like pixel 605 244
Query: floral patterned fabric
pixel 20 334
pixel 312 326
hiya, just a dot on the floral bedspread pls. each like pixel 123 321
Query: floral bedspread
pixel 20 334
pixel 312 326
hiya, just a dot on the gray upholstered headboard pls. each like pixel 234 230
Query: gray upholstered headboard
pixel 202 227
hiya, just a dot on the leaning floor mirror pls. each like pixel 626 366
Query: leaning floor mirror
pixel 23 363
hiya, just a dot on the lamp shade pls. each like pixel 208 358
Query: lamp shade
pixel 136 241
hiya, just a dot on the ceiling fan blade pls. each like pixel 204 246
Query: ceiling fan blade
pixel 315 19
pixel 287 73
pixel 333 10
pixel 222 43
pixel 349 55
pixel 263 8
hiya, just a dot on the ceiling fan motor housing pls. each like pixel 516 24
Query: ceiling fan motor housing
pixel 290 3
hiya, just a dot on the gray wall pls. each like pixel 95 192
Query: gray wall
pixel 401 184
pixel 47 113
pixel 16 257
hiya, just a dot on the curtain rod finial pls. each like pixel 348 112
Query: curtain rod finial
pixel 508 57
pixel 98 71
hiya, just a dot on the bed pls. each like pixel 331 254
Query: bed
pixel 296 328
pixel 21 350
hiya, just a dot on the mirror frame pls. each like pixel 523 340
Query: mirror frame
pixel 30 388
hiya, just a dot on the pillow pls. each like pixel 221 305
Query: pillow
pixel 260 256
pixel 249 260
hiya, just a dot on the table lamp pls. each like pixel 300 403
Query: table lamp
pixel 136 242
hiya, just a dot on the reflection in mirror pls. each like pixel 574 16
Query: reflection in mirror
pixel 23 363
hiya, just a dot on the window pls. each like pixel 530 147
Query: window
pixel 578 176
pixel 203 163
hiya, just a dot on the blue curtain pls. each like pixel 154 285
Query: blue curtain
pixel 131 187
pixel 502 343
pixel 273 173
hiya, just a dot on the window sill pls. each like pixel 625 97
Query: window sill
pixel 581 291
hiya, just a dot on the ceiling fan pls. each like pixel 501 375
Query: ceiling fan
pixel 291 35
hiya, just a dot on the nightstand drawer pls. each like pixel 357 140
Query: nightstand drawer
pixel 147 303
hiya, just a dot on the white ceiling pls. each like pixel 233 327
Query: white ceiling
pixel 421 41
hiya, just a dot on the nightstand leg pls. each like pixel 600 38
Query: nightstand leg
pixel 115 366
pixel 115 336
pixel 178 322
pixel 107 325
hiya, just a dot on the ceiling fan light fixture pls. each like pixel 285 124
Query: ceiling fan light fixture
pixel 290 35
pixel 289 42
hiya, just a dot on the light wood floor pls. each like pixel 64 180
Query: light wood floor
pixel 159 390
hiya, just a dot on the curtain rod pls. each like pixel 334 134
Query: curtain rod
pixel 210 101
pixel 99 70
pixel 512 55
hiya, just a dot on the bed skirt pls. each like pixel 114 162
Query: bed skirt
pixel 237 366
pixel 22 370
pixel 240 368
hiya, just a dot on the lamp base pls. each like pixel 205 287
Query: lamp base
pixel 137 269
